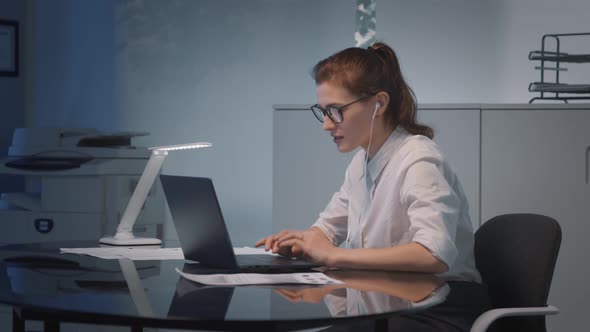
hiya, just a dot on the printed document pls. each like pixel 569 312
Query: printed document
pixel 147 253
pixel 312 278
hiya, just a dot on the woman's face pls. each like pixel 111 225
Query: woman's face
pixel 353 131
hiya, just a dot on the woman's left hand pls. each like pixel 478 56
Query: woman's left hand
pixel 313 245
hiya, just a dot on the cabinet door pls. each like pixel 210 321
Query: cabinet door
pixel 457 133
pixel 307 169
pixel 537 161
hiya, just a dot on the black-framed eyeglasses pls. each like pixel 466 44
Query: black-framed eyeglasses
pixel 333 112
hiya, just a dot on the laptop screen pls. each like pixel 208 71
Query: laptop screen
pixel 199 223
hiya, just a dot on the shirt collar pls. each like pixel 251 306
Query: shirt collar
pixel 382 157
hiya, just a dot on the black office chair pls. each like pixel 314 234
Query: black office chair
pixel 516 255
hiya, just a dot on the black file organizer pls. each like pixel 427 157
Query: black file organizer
pixel 558 90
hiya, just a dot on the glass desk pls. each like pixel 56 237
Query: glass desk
pixel 42 284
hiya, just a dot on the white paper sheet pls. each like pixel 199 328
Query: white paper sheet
pixel 143 253
pixel 312 278
pixel 136 254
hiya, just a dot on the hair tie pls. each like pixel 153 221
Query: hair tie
pixel 377 52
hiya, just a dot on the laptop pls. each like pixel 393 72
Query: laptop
pixel 203 234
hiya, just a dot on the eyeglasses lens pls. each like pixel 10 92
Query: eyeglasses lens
pixel 318 113
pixel 334 114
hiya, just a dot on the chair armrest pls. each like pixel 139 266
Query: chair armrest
pixel 484 320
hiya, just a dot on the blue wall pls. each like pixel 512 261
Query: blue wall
pixel 74 64
pixel 210 71
pixel 12 93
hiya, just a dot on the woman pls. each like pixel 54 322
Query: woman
pixel 400 207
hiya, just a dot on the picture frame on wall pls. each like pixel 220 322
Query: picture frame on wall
pixel 8 48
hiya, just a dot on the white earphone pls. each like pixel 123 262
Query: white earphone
pixel 377 105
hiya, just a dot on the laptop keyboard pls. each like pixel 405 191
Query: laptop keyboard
pixel 263 260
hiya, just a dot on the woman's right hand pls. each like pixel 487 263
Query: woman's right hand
pixel 270 243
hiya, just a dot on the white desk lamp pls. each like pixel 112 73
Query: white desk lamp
pixel 124 236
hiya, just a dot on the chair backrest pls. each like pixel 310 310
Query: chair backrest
pixel 516 255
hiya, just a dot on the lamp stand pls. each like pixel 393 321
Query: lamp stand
pixel 124 236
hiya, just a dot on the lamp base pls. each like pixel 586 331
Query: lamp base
pixel 130 241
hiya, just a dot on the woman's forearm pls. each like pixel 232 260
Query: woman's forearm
pixel 407 257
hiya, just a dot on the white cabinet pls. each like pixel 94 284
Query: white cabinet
pixel 535 159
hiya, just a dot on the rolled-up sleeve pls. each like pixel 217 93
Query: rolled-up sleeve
pixel 432 208
pixel 333 221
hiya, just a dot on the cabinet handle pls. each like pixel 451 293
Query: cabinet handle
pixel 588 165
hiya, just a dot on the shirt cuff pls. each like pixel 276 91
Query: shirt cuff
pixel 326 230
pixel 444 250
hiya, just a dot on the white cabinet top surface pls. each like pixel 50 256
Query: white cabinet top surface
pixel 466 106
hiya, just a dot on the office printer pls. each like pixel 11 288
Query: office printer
pixel 78 183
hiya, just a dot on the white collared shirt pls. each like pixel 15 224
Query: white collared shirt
pixel 410 194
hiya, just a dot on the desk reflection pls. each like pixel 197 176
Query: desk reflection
pixel 43 281
pixel 363 293
pixel 200 302
pixel 371 292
